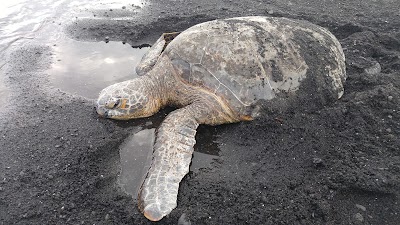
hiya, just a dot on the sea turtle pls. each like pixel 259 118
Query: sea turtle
pixel 220 72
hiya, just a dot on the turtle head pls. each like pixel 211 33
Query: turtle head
pixel 125 100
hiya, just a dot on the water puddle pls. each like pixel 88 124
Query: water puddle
pixel 136 155
pixel 85 68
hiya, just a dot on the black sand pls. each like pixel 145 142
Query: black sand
pixel 336 165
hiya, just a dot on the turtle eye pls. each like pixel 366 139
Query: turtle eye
pixel 113 103
pixel 117 101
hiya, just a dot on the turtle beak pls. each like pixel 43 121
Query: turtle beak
pixel 102 112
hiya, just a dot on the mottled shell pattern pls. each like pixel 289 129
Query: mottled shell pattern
pixel 247 59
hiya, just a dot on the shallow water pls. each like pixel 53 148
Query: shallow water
pixel 85 68
pixel 136 154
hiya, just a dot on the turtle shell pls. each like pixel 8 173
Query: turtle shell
pixel 248 59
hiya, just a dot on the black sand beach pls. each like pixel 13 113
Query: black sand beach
pixel 337 165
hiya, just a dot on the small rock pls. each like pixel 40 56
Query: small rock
pixel 123 7
pixel 72 205
pixel 107 217
pixel 390 98
pixel 270 12
pixel 107 39
pixel 374 69
pixel 317 161
pixel 359 217
pixel 390 116
pixel 264 198
pixel 1 189
pixel 57 146
pixel 389 130
pixel 361 207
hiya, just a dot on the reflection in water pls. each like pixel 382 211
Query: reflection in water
pixel 136 155
pixel 85 68
pixel 82 64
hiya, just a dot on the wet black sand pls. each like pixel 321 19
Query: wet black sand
pixel 336 165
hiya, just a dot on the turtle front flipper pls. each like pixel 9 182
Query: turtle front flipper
pixel 151 57
pixel 172 155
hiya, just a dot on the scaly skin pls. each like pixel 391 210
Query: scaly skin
pixel 172 155
pixel 150 58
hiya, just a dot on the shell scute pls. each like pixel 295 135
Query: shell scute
pixel 252 58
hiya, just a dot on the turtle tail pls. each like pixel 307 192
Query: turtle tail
pixel 172 155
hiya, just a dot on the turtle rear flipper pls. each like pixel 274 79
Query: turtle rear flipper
pixel 151 57
pixel 172 155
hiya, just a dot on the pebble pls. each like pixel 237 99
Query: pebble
pixel 359 217
pixel 374 69
pixel 264 199
pixel 361 207
pixel 270 12
pixel 107 217
pixel 390 98
pixel 72 205
pixel 317 161
pixel 389 130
